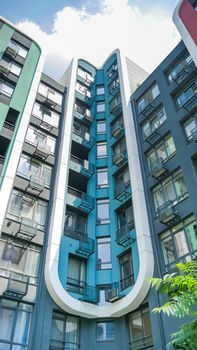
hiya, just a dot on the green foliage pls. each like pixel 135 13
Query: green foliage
pixel 181 288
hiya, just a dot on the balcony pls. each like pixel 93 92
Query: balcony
pixel 117 129
pixel 11 50
pixel 145 343
pixel 113 293
pixel 27 229
pixel 127 282
pixel 122 191
pixel 42 150
pixel 194 134
pixel 83 167
pixel 149 107
pixel 186 71
pixel 115 88
pixel 75 232
pixel 84 115
pixel 190 103
pixel 81 200
pixel 36 184
pixel 86 247
pixel 158 169
pixel 119 157
pixel 87 80
pixel 124 236
pixel 167 213
pixel 17 286
pixel 113 74
pixel 83 138
pixel 88 293
pixel 117 109
pixel 4 68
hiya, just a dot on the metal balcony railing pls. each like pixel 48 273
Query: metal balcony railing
pixel 27 229
pixel 89 293
pixel 113 292
pixel 75 232
pixel 86 246
pixel 190 102
pixel 158 169
pixel 17 286
pixel 123 234
pixel 122 191
pixel 66 345
pixel 183 73
pixel 127 281
pixel 11 50
pixel 149 106
pixel 167 213
pixel 144 343
pixel 85 203
pixel 117 129
pixel 119 157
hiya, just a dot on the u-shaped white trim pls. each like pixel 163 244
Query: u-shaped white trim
pixel 146 266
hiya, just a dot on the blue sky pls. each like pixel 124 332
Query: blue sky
pixel 91 29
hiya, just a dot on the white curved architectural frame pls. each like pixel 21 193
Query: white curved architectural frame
pixel 146 266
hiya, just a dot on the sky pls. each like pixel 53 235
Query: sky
pixel 91 29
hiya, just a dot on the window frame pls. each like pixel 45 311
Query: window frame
pixel 103 265
pixel 100 144
pixel 106 220
pixel 100 171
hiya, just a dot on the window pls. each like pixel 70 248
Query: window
pixel 102 178
pixel 112 70
pixel 148 97
pixel 126 271
pixel 140 329
pixel 101 149
pixel 100 107
pixel 14 257
pixel 35 136
pixel 25 206
pixel 103 211
pixel 101 127
pixel 64 332
pixel 175 71
pixel 171 189
pixel 100 90
pixel 28 167
pixel 190 125
pixel 6 89
pixel 84 74
pixel 15 322
pixel 186 94
pixel 122 181
pixel 114 84
pixel 50 93
pixel 76 275
pixel 163 150
pixel 48 116
pixel 75 224
pixel 154 122
pixel 179 244
pixel 105 331
pixel 82 89
pixel 104 253
pixel 102 295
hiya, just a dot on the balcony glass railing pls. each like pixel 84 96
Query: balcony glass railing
pixel 17 286
pixel 83 200
pixel 86 246
pixel 127 281
pixel 167 213
pixel 84 138
pixel 123 234
pixel 117 129
pixel 82 166
pixel 158 169
pixel 145 343
pixel 113 292
pixel 12 50
pixel 119 157
pixel 89 293
pixel 122 190
pixel 27 229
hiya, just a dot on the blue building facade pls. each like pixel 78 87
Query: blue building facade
pixel 98 178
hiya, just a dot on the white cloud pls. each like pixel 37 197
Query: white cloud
pixel 146 38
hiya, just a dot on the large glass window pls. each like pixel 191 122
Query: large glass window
pixel 175 71
pixel 100 107
pixel 148 97
pixel 186 94
pixel 164 149
pixel 35 136
pixel 48 116
pixel 75 224
pixel 28 167
pixel 140 329
pixel 104 253
pixel 189 125
pixel 76 278
pixel 50 93
pixel 171 189
pixel 27 207
pixel 64 332
pixel 179 244
pixel 154 122
pixel 103 211
pixel 6 89
pixel 105 331
pixel 15 322
pixel 101 149
pixel 101 127
pixel 126 270
pixel 102 177
pixel 14 257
